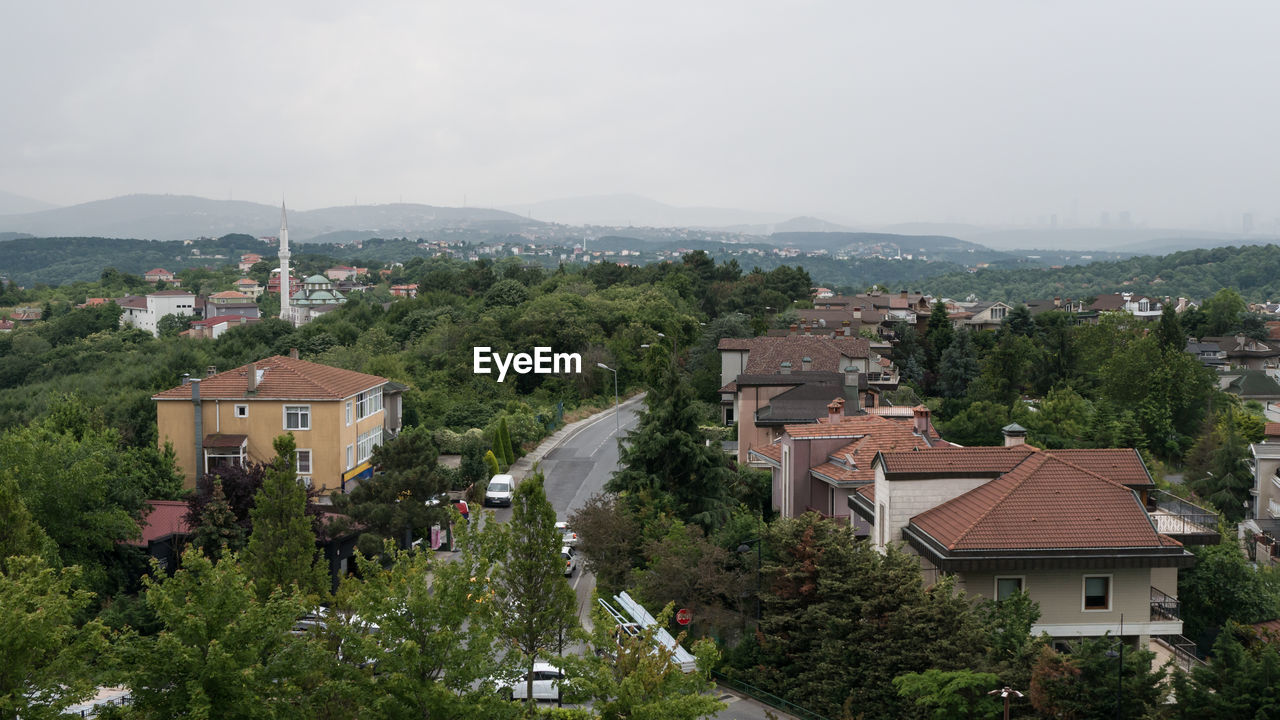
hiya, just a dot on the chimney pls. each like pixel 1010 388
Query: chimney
pixel 793 328
pixel 785 367
pixel 1014 435
pixel 902 294
pixel 198 417
pixel 293 353
pixel 210 370
pixel 1057 301
pixel 251 386
pixel 845 328
pixel 857 313
pixel 806 363
pixel 921 415
pixel 808 329
pixel 852 389
pixel 835 410
pixel 186 379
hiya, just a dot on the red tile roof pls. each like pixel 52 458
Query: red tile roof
pixel 767 353
pixel 1045 503
pixel 1273 429
pixel 166 517
pixel 282 378
pixel 229 294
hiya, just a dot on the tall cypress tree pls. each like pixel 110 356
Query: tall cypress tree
pixel 666 455
pixel 504 443
pixel 282 546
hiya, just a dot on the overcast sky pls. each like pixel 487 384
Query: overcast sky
pixel 985 112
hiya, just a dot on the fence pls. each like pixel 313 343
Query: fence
pixel 769 699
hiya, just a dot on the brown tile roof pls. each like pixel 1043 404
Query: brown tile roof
pixel 1123 465
pixel 767 353
pixel 867 491
pixel 168 293
pixel 960 461
pixel 132 301
pixel 734 344
pixel 1044 503
pixel 224 440
pixel 869 435
pixel 1273 429
pixel 283 378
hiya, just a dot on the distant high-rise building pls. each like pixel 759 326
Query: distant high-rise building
pixel 1246 223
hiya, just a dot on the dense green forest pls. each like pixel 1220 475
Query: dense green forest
pixel 1252 270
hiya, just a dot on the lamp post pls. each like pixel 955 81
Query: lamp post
pixel 1006 692
pixel 617 424
pixel 1119 666
pixel 746 547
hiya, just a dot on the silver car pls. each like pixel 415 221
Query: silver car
pixel 570 560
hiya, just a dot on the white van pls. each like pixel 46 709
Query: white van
pixel 499 491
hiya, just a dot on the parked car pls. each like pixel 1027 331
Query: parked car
pixel 499 490
pixel 570 560
pixel 568 536
pixel 548 683
pixel 445 499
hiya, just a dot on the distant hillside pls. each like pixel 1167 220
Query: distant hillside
pixel 182 217
pixel 58 261
pixel 1252 270
pixel 933 247
pixel 11 204
pixel 620 211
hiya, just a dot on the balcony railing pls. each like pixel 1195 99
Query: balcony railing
pixel 1164 607
pixel 1185 521
pixel 1183 650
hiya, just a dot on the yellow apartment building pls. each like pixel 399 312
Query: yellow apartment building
pixel 336 416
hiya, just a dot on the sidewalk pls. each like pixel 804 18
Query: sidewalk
pixel 522 467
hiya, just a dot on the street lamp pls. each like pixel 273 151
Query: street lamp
pixel 1119 666
pixel 1006 692
pixel 617 424
pixel 746 547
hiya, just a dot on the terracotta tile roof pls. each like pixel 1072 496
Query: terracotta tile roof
pixel 773 451
pixel 851 464
pixel 1045 503
pixel 734 344
pixel 166 517
pixel 169 293
pixel 133 301
pixel 730 387
pixel 960 461
pixel 1123 465
pixel 767 353
pixel 1273 429
pixel 229 294
pixel 867 491
pixel 282 378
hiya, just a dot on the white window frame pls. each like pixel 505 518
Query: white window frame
pixel 351 456
pixel 348 413
pixel 995 587
pixel 297 461
pixel 241 411
pixel 366 442
pixel 368 403
pixel 1084 589
pixel 304 412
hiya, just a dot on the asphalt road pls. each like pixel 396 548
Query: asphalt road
pixel 577 469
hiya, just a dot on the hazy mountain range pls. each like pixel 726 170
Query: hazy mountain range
pixel 182 217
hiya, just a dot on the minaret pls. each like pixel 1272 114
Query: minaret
pixel 285 286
